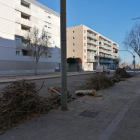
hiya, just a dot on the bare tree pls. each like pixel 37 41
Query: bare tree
pixel 132 39
pixel 38 44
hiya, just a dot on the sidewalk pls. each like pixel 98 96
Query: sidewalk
pixel 115 116
pixel 11 78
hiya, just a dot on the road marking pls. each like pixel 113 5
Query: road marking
pixel 113 125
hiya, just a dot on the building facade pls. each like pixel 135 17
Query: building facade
pixel 17 17
pixel 91 47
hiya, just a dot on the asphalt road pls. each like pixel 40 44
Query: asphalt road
pixel 72 83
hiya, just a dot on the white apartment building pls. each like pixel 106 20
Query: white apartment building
pixel 17 17
pixel 91 48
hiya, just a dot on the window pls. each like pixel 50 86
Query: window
pixel 25 52
pixel 73 50
pixel 25 28
pixel 25 4
pixel 25 42
pixel 49 25
pixel 18 39
pixel 84 44
pixel 84 31
pixel 25 16
pixel 17 52
pixel 84 57
pixel 100 43
pixel 73 44
pixel 48 55
pixel 49 17
pixel 84 38
pixel 85 50
pixel 73 38
pixel 73 31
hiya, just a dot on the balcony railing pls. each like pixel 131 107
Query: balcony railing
pixel 106 61
pixel 91 53
pixel 24 33
pixel 104 51
pixel 108 48
pixel 23 21
pixel 105 47
pixel 92 36
pixel 92 42
pixel 107 43
pixel 92 60
pixel 92 48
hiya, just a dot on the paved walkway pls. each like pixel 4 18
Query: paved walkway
pixel 115 116
pixel 11 78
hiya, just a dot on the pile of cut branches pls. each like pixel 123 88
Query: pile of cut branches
pixel 21 102
pixel 98 81
pixel 122 73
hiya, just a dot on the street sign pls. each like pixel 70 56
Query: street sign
pixel 133 62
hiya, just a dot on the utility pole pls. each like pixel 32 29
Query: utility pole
pixel 124 60
pixel 63 55
pixel 134 62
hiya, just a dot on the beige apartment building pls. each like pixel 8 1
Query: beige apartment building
pixel 91 48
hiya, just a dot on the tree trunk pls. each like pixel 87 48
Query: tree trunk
pixel 36 66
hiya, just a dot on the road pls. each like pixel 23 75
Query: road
pixel 72 83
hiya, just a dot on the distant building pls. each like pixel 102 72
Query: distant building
pixel 16 18
pixel 91 47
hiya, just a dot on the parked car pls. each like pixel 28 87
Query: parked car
pixel 102 69
pixel 127 67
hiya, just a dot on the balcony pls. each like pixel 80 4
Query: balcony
pixel 23 21
pixel 21 32
pixel 106 61
pixel 91 48
pixel 92 60
pixel 115 54
pixel 92 42
pixel 115 46
pixel 92 36
pixel 115 57
pixel 101 50
pixel 91 53
pixel 105 56
pixel 106 42
pixel 105 47
pixel 109 48
pixel 24 33
pixel 23 9
pixel 109 52
pixel 105 51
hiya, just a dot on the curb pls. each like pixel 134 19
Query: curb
pixel 9 81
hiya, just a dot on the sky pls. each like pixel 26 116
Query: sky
pixel 111 18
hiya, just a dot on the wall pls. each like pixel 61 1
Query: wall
pixel 10 20
pixel 78 41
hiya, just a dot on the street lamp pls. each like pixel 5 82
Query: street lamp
pixel 124 60
pixel 63 55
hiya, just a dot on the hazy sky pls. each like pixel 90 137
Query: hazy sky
pixel 111 18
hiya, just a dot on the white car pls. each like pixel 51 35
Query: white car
pixel 102 69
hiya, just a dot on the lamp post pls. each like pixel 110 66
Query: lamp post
pixel 63 55
pixel 124 60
